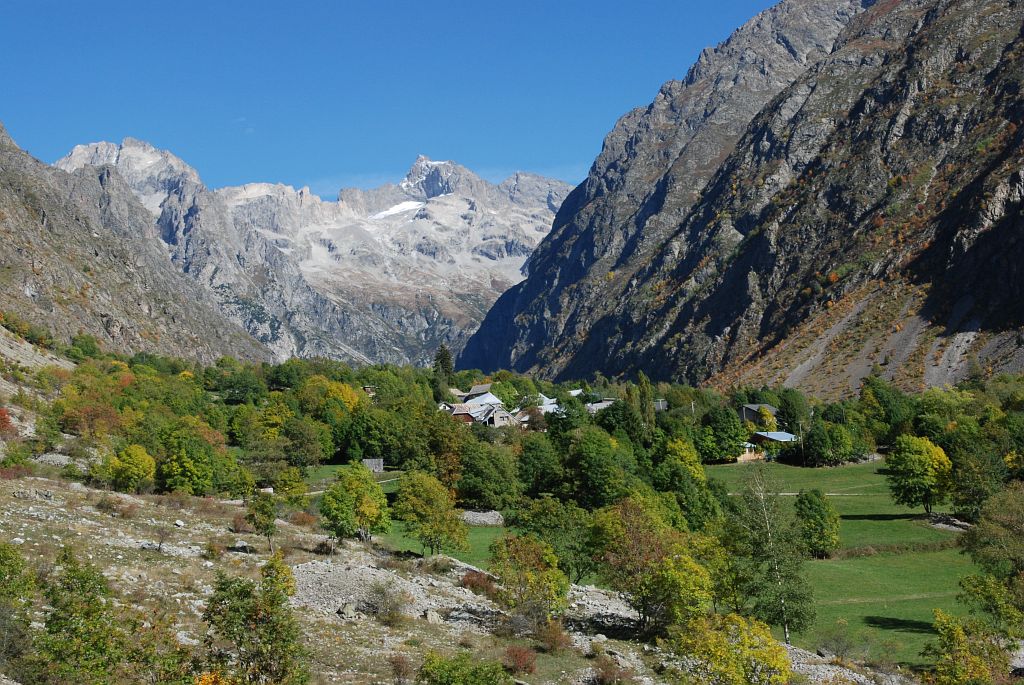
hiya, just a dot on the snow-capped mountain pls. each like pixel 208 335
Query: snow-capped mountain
pixel 381 275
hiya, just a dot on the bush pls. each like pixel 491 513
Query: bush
pixel 608 672
pixel 553 638
pixel 518 660
pixel 387 604
pixel 176 500
pixel 402 670
pixel 240 525
pixel 461 669
pixel 437 565
pixel 16 453
pixel 303 519
pixel 15 472
pixel 213 550
pixel 116 506
pixel 397 564
pixel 7 429
pixel 209 506
pixel 479 583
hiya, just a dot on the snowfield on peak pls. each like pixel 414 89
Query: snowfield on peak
pixel 400 208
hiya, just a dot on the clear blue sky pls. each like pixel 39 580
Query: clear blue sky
pixel 331 94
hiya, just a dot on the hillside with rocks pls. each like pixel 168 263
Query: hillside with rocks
pixel 864 219
pixel 166 552
pixel 381 275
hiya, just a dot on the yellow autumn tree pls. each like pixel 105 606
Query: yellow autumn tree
pixel 965 653
pixel 683 450
pixel 316 393
pixel 730 650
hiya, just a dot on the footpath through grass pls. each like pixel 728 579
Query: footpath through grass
pixel 886 598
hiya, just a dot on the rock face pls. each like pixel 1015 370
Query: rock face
pixel 866 214
pixel 78 253
pixel 383 275
pixel 650 172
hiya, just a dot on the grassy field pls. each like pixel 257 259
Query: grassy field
pixel 478 554
pixel 886 598
pixel 320 477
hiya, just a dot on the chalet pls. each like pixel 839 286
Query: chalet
pixel 491 414
pixel 478 390
pixel 484 398
pixel 497 417
pixel 752 412
pixel 606 402
pixel 467 413
pixel 547 405
pixel 751 452
pixel 772 438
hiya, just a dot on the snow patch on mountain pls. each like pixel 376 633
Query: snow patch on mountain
pixel 400 208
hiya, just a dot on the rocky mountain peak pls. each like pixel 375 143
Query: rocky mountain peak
pixel 428 178
pixel 151 173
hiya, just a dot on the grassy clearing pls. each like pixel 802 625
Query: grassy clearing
pixel 858 491
pixel 320 477
pixel 478 554
pixel 887 600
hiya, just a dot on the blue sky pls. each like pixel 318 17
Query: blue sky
pixel 332 94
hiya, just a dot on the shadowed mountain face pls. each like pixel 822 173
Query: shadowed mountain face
pixel 382 275
pixel 79 254
pixel 649 174
pixel 866 214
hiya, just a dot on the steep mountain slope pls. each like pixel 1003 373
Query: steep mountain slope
pixel 647 177
pixel 78 254
pixel 383 275
pixel 868 217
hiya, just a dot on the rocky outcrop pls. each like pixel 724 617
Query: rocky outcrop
pixel 382 275
pixel 78 255
pixel 866 219
pixel 650 172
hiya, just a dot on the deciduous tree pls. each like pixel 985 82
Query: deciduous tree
pixel 568 528
pixel 253 635
pixel 429 510
pixel 781 594
pixel 532 585
pixel 261 513
pixel 919 472
pixel 355 505
pixel 731 650
pixel 819 523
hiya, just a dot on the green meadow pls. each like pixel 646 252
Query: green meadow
pixel 893 572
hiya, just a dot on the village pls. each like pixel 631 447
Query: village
pixel 480 406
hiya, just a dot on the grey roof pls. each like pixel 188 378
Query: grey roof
pixel 480 389
pixel 758 407
pixel 776 436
